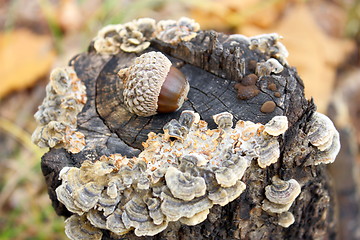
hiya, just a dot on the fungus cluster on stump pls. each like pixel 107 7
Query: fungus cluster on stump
pixel 185 134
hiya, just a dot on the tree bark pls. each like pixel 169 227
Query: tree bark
pixel 211 64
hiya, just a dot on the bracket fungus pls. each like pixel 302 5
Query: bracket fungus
pixel 130 37
pixel 183 185
pixel 286 219
pixel 194 176
pixel 56 117
pixel 135 36
pixel 276 126
pixel 270 66
pixel 269 43
pixel 178 123
pixel 282 192
pixel 171 31
pixel 280 195
pixel 80 228
pixel 324 136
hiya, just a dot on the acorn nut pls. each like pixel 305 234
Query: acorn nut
pixel 152 85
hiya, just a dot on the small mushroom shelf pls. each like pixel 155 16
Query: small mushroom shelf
pixel 164 131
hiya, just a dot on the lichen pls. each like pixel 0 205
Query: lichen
pixel 57 116
pixel 179 175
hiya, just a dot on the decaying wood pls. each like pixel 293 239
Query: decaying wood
pixel 212 66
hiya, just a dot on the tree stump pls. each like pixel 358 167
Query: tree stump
pixel 213 63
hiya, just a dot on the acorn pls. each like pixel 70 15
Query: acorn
pixel 152 85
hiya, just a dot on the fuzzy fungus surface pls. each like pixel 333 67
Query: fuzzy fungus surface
pixel 179 176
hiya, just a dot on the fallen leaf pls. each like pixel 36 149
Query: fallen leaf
pixel 315 54
pixel 25 57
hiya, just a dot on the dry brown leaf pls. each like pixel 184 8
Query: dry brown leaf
pixel 24 57
pixel 315 55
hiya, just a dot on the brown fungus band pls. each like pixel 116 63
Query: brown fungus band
pixel 179 176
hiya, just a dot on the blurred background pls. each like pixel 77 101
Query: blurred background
pixel 322 36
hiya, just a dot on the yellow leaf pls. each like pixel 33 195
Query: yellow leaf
pixel 25 57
